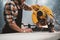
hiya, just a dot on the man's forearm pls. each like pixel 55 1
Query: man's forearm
pixel 26 7
pixel 14 27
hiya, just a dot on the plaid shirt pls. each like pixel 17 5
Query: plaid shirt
pixel 11 11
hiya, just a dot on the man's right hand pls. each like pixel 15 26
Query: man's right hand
pixel 21 31
pixel 27 30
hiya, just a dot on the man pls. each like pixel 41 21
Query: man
pixel 13 16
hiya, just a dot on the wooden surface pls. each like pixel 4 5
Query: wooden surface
pixel 31 36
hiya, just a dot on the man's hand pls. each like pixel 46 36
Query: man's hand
pixel 26 30
pixel 21 31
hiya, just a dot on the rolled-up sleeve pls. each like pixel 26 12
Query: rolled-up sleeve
pixel 10 12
